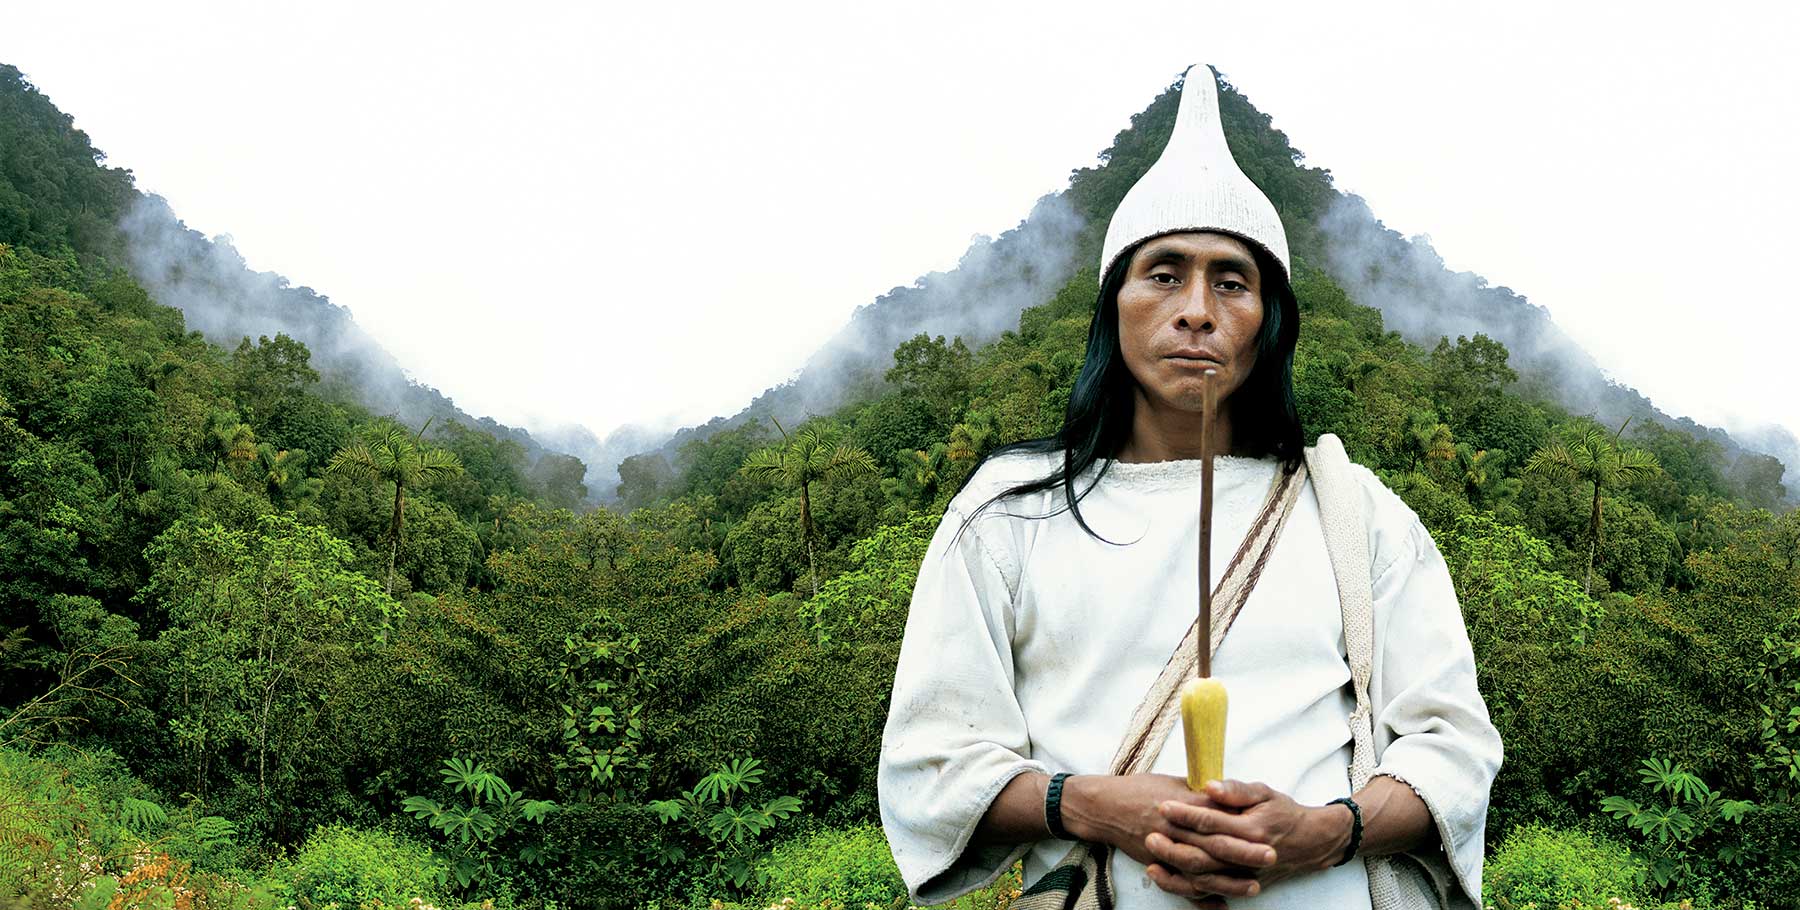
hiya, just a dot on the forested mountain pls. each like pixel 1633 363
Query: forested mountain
pixel 56 193
pixel 263 646
pixel 1404 279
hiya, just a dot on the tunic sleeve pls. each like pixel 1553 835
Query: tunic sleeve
pixel 955 734
pixel 1432 729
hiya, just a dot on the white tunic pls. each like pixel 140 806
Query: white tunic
pixel 1029 645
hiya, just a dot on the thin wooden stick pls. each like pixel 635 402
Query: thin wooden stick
pixel 1204 641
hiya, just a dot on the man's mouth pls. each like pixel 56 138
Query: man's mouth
pixel 1195 357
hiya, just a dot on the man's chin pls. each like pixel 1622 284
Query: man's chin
pixel 1180 401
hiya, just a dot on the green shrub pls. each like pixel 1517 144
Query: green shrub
pixel 851 866
pixel 78 825
pixel 34 808
pixel 997 896
pixel 1552 868
pixel 352 869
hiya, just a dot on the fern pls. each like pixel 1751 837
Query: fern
pixel 142 815
pixel 214 831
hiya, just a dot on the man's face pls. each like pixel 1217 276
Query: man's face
pixel 1190 302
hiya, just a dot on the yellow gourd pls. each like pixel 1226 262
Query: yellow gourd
pixel 1203 705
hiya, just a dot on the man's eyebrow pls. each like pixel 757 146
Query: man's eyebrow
pixel 1157 255
pixel 1232 264
pixel 1165 253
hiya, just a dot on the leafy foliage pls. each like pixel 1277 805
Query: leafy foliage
pixel 345 867
pixel 870 599
pixel 809 456
pixel 486 826
pixel 392 455
pixel 603 714
pixel 853 866
pixel 729 831
pixel 1690 812
pixel 1588 456
pixel 1538 866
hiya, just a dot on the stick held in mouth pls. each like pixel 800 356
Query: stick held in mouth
pixel 1206 502
pixel 1203 700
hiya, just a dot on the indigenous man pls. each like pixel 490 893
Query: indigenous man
pixel 1063 576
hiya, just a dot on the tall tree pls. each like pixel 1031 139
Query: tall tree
pixel 394 457
pixel 1428 440
pixel 1588 456
pixel 935 373
pixel 270 375
pixel 808 456
pixel 229 440
pixel 1483 475
pixel 284 476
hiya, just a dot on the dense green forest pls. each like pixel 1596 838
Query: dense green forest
pixel 264 647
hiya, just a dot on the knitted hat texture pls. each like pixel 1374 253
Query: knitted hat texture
pixel 1196 185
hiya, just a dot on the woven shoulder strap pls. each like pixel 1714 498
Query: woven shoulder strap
pixel 1347 540
pixel 1156 714
pixel 1346 529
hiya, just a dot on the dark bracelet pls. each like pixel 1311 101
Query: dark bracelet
pixel 1355 828
pixel 1053 807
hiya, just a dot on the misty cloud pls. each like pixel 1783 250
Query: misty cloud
pixel 1423 300
pixel 995 280
pixel 222 297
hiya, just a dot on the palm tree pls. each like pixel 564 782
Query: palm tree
pixel 229 440
pixel 1588 456
pixel 806 457
pixel 1428 439
pixel 393 456
pixel 1483 475
pixel 921 476
pixel 970 438
pixel 284 475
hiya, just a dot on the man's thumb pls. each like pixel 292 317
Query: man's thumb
pixel 1233 792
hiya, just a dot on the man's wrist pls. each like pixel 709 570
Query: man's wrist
pixel 1078 806
pixel 1333 824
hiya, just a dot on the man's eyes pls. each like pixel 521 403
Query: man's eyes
pixel 1229 283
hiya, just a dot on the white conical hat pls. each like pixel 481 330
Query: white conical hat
pixel 1196 185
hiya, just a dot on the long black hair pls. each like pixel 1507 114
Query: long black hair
pixel 1264 419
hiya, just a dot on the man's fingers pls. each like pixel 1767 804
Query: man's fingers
pixel 1214 883
pixel 1175 882
pixel 1202 820
pixel 1170 881
pixel 1183 858
pixel 1237 793
pixel 1228 850
pixel 1181 886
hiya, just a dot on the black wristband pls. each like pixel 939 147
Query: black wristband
pixel 1355 828
pixel 1053 807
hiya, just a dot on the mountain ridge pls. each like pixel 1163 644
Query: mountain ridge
pixel 978 300
pixel 1403 278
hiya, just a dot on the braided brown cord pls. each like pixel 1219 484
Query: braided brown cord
pixel 1153 719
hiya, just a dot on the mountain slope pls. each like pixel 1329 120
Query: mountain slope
pixel 1404 279
pixel 48 166
pixel 55 192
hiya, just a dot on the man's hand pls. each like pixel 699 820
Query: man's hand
pixel 1239 838
pixel 1127 814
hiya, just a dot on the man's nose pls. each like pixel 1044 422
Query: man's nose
pixel 1195 309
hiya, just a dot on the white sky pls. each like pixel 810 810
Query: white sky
pixel 602 214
